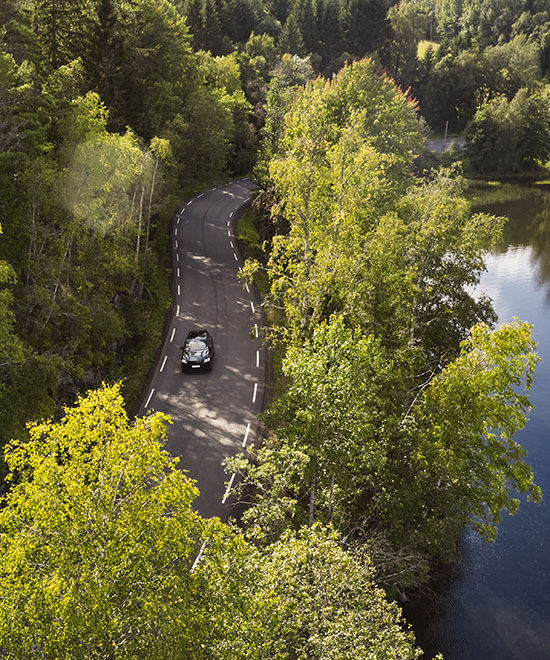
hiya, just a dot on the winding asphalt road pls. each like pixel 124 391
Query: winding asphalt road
pixel 214 413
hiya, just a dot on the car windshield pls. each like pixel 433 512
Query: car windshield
pixel 197 345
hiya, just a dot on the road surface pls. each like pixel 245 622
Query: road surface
pixel 214 413
pixel 439 145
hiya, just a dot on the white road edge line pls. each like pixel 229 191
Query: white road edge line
pixel 257 358
pixel 149 398
pixel 246 434
pixel 252 306
pixel 231 214
pixel 231 244
pixel 256 329
pixel 228 223
pixel 177 256
pixel 228 233
pixel 247 289
pixel 235 256
pixel 178 220
pixel 228 487
pixel 176 244
pixel 178 310
pixel 179 290
pixel 173 333
pixel 163 363
pixel 197 559
pixel 189 202
pixel 255 392
pixel 176 231
pixel 178 272
pixel 200 195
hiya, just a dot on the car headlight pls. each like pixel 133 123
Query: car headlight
pixel 207 359
pixel 184 360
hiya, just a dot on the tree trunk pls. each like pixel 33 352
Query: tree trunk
pixel 59 275
pixel 139 221
pixel 150 203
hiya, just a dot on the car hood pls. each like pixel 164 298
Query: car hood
pixel 196 355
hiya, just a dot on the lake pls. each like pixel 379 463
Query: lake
pixel 496 605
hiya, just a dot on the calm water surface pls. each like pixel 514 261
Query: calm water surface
pixel 497 606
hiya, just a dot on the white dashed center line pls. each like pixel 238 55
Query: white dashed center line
pixel 173 333
pixel 177 256
pixel 246 434
pixel 178 310
pixel 256 329
pixel 200 195
pixel 228 488
pixel 164 362
pixel 176 245
pixel 149 398
pixel 178 272
pixel 176 231
pixel 252 307
pixel 235 256
pixel 257 358
pixel 247 289
pixel 179 290
pixel 231 243
pixel 255 392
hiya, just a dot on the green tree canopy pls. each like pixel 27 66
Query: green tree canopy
pixel 103 557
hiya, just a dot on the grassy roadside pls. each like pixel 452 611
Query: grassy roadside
pixel 249 238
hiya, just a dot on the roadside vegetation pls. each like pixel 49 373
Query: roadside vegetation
pixel 397 399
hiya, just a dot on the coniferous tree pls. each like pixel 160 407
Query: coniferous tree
pixel 291 40
pixel 364 25
pixel 305 13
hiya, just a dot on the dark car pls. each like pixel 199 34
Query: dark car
pixel 197 351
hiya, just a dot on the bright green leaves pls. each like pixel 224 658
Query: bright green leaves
pixel 97 535
pixel 339 167
pixel 511 135
pixel 329 446
pixel 472 410
pixel 103 180
pixel 376 274
pixel 444 246
pixel 97 539
pixel 98 544
pixel 328 605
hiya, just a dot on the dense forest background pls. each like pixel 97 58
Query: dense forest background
pixel 393 426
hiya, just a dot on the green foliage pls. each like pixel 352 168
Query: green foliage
pixel 472 410
pixel 310 571
pixel 100 560
pixel 511 136
pixel 375 271
pixel 409 22
pixel 97 511
pixel 340 146
pixel 398 465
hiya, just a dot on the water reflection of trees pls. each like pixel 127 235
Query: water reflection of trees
pixel 529 224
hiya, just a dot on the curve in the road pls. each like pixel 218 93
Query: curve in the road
pixel 214 414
